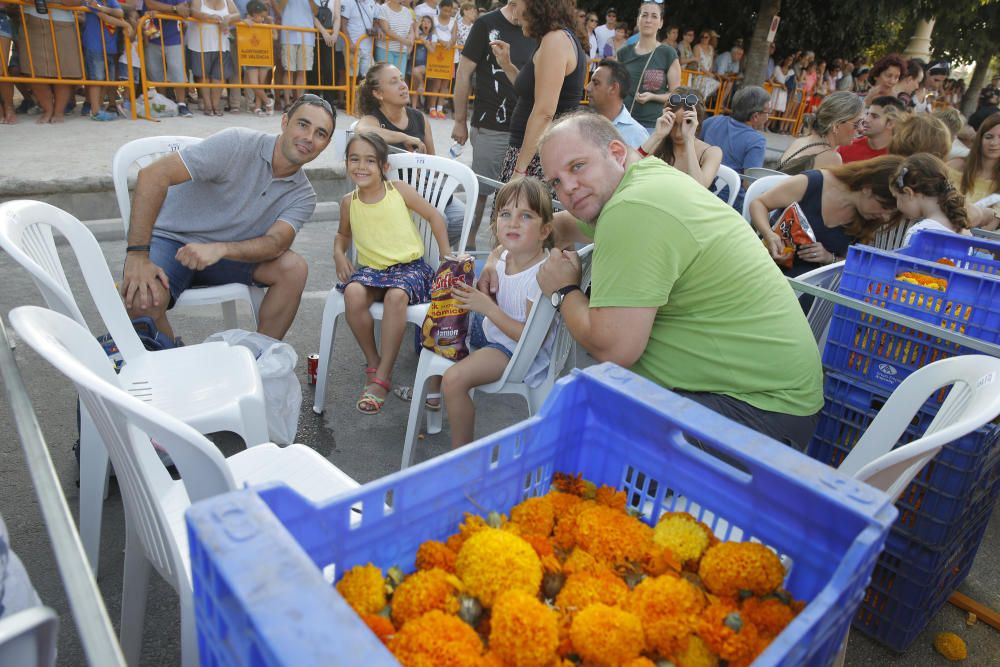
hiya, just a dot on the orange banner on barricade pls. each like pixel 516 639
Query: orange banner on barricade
pixel 441 63
pixel 254 46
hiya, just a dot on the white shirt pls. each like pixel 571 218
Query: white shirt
pixel 360 16
pixel 442 33
pixel 926 223
pixel 513 294
pixel 423 9
pixel 603 33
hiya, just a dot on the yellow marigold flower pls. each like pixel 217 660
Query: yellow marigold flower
pixel 363 586
pixel 535 516
pixel 769 615
pixel 437 639
pixel 730 567
pixel 523 630
pixel 424 591
pixel 695 654
pixel 639 662
pixel 727 633
pixel 668 608
pixel 609 497
pixel 686 537
pixel 493 561
pixel 950 645
pixel 581 561
pixel 610 536
pixel 564 534
pixel 606 636
pixel 380 625
pixel 433 554
pixel 587 588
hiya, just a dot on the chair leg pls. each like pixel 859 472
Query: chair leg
pixel 189 631
pixel 435 419
pixel 135 587
pixel 255 424
pixel 327 332
pixel 229 315
pixel 94 469
pixel 256 298
pixel 416 410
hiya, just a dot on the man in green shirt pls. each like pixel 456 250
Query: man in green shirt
pixel 682 290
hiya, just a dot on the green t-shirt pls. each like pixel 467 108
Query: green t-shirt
pixel 727 321
pixel 653 79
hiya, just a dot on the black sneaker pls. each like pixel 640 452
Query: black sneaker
pixel 25 106
pixel 70 106
pixel 183 111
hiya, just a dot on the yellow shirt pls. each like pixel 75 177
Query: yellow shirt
pixel 383 232
pixel 981 188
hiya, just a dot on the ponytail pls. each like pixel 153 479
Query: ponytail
pixel 952 203
pixel 927 175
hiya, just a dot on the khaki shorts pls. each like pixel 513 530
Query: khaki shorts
pixel 297 57
pixel 488 149
pixel 43 58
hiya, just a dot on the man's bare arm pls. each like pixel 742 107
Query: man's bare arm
pixel 150 191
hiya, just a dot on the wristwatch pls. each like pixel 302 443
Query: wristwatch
pixel 560 294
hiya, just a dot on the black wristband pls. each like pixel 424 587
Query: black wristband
pixel 137 248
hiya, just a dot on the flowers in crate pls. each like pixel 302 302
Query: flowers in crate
pixel 523 630
pixel 433 554
pixel 437 639
pixel 770 614
pixel 604 635
pixel 668 607
pixel 363 586
pixel 381 626
pixel 923 280
pixel 727 634
pixel 535 516
pixel 729 568
pixel 424 591
pixel 612 536
pixel 601 586
pixel 493 561
pixel 686 537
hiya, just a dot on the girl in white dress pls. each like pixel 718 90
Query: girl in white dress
pixel 925 194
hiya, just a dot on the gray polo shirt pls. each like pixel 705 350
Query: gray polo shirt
pixel 233 194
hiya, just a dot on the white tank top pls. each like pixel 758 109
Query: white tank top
pixel 204 37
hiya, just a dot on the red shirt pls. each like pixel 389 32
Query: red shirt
pixel 860 150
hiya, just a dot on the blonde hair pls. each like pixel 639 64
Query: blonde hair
pixel 952 119
pixel 920 133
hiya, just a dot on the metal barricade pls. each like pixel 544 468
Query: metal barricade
pixel 40 38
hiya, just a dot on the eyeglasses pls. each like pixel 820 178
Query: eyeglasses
pixel 676 100
pixel 899 179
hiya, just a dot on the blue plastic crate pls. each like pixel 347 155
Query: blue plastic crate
pixel 967 252
pixel 903 597
pixel 931 507
pixel 885 353
pixel 258 560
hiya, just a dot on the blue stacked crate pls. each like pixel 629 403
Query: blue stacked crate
pixel 258 559
pixel 945 510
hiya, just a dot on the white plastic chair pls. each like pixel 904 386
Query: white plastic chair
pixel 973 401
pixel 145 151
pixel 754 173
pixel 155 534
pixel 436 179
pixel 536 330
pixel 212 387
pixel 821 311
pixel 28 638
pixel 727 177
pixel 757 188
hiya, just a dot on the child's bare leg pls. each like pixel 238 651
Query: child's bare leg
pixel 357 301
pixel 393 327
pixel 481 367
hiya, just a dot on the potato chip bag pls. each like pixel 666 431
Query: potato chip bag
pixel 447 325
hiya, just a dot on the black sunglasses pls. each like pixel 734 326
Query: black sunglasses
pixel 676 100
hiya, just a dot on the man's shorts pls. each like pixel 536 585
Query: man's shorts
pixel 163 253
pixel 488 148
pixel 96 65
pixel 297 57
pixel 176 71
pixel 6 27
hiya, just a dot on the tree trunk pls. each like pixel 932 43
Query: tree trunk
pixel 971 97
pixel 755 72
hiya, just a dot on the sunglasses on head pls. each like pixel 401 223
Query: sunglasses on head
pixel 677 100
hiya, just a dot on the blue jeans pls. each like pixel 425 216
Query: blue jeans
pixel 477 336
pixel 392 57
pixel 96 69
pixel 163 251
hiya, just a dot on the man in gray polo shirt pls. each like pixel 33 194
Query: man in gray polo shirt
pixel 226 210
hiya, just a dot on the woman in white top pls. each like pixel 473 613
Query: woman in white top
pixel 396 24
pixel 779 94
pixel 208 48
pixel 445 36
pixel 925 193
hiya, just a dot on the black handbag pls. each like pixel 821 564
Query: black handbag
pixel 325 15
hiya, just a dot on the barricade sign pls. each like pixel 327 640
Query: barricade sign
pixel 440 63
pixel 254 46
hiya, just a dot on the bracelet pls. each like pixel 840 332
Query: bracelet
pixel 642 152
pixel 137 248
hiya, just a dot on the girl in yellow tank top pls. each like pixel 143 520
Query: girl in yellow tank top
pixel 390 266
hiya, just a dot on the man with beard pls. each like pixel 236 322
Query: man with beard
pixel 876 130
pixel 226 210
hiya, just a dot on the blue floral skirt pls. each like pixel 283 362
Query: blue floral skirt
pixel 414 278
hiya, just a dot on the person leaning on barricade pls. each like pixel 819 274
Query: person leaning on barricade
pixel 164 48
pixel 54 54
pixel 197 220
pixel 682 291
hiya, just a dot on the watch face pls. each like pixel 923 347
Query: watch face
pixel 556 299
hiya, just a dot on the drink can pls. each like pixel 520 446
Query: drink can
pixel 312 365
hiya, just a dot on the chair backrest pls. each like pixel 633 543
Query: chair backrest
pixel 142 151
pixel 757 188
pixel 126 425
pixel 436 179
pixel 760 172
pixel 28 638
pixel 26 234
pixel 821 311
pixel 973 401
pixel 727 177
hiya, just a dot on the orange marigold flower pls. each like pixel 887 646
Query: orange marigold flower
pixel 523 630
pixel 727 633
pixel 433 554
pixel 493 561
pixel 609 497
pixel 380 625
pixel 656 560
pixel 668 608
pixel 581 561
pixel 769 615
pixel 731 567
pixel 610 536
pixel 562 503
pixel 363 586
pixel 607 636
pixel 546 552
pixel 424 591
pixel 695 654
pixel 564 534
pixel 437 639
pixel 686 537
pixel 639 662
pixel 587 588
pixel 535 516
pixel 574 484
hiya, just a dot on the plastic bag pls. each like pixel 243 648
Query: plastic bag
pixel 282 392
pixel 446 324
pixel 794 230
pixel 160 106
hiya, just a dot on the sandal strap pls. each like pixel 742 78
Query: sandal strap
pixel 382 383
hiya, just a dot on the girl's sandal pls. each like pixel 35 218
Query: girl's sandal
pixel 432 402
pixel 369 403
pixel 369 374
